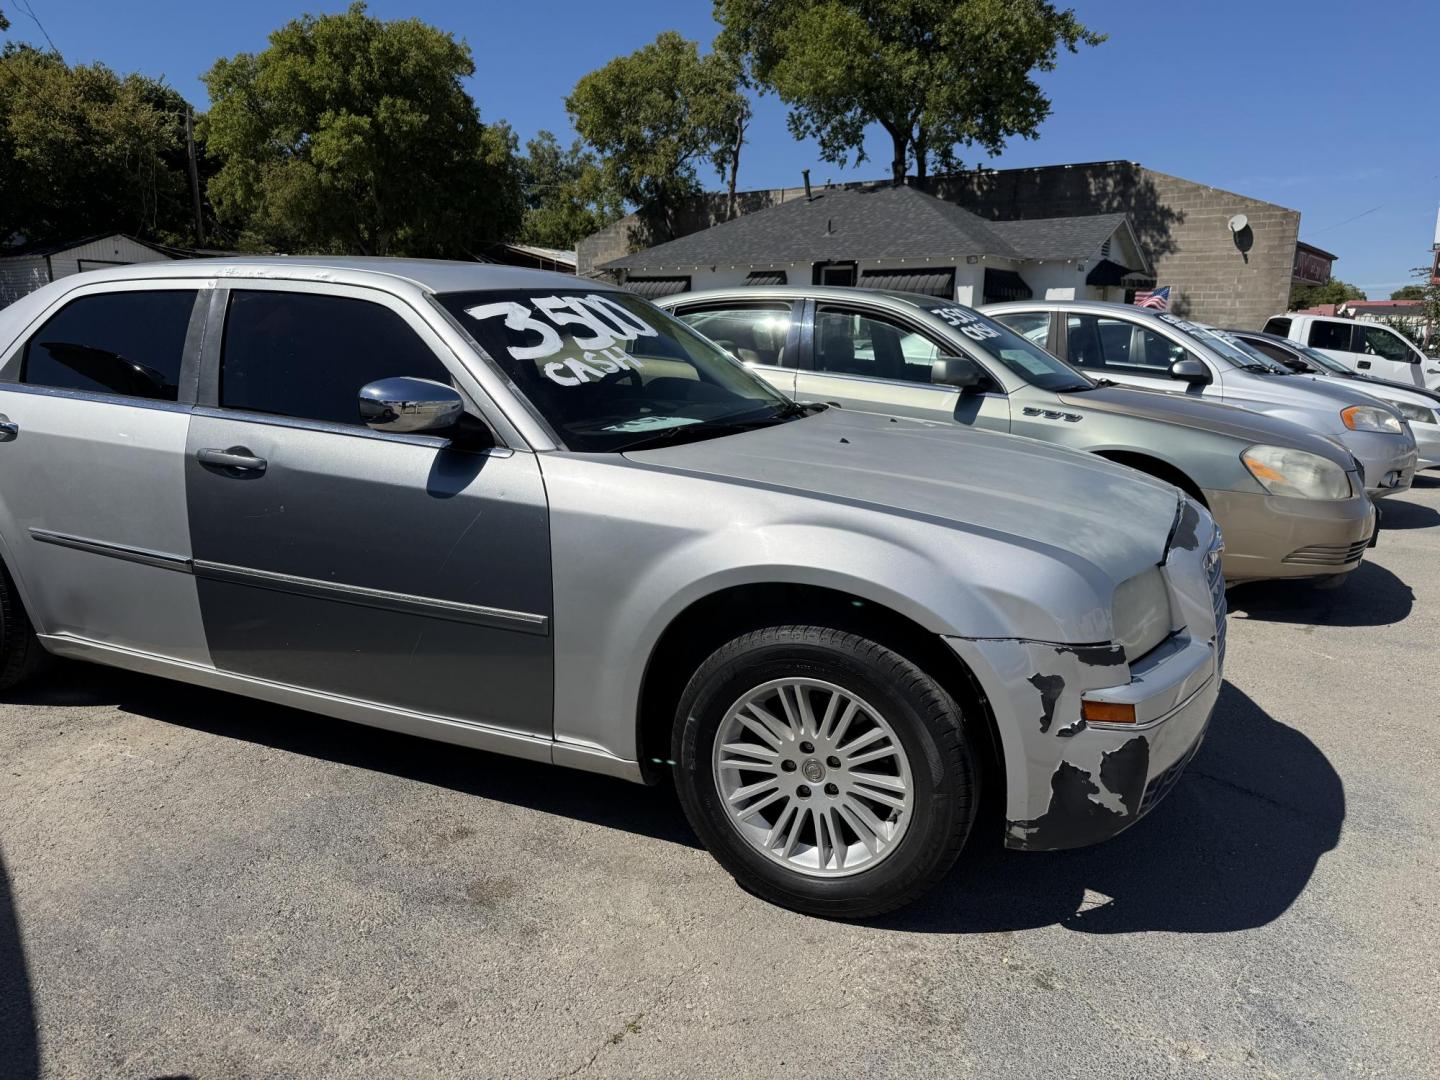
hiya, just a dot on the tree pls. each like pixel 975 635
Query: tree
pixel 4 22
pixel 935 74
pixel 1332 291
pixel 353 135
pixel 655 113
pixel 567 194
pixel 1409 292
pixel 84 150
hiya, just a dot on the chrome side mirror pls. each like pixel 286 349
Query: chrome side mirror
pixel 957 371
pixel 409 406
pixel 1191 371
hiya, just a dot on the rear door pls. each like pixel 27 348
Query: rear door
pixel 94 407
pixel 860 357
pixel 402 570
pixel 762 334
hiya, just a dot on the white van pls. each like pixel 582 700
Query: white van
pixel 1361 346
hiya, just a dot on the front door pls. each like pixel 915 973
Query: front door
pixel 1132 354
pixel 863 358
pixel 395 569
pixel 94 408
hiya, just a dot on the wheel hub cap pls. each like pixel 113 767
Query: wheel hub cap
pixel 813 777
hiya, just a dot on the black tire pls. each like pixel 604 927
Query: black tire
pixel 20 651
pixel 942 756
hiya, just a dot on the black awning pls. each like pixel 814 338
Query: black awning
pixel 931 282
pixel 652 288
pixel 766 277
pixel 1107 274
pixel 1005 285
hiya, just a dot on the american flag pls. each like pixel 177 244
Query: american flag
pixel 1159 299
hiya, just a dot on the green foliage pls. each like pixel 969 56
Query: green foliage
pixel 4 22
pixel 1427 291
pixel 1409 292
pixel 1333 291
pixel 568 195
pixel 353 135
pixel 84 150
pixel 937 75
pixel 654 114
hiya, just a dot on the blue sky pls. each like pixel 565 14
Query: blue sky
pixel 1324 106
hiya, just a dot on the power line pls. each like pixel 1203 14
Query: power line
pixel 1348 220
pixel 30 11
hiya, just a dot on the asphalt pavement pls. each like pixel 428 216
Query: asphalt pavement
pixel 193 884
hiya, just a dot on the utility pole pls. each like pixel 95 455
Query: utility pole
pixel 194 176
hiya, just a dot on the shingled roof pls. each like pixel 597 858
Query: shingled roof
pixel 1060 238
pixel 838 223
pixel 874 223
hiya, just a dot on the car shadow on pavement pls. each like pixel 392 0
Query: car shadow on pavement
pixel 1403 514
pixel 1371 596
pixel 602 800
pixel 1231 848
pixel 19 1039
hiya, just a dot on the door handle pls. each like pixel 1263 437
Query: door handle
pixel 8 429
pixel 1363 364
pixel 235 459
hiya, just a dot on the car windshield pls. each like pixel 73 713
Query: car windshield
pixel 1319 359
pixel 1226 346
pixel 1017 354
pixel 610 371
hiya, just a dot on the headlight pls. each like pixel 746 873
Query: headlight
pixel 1142 613
pixel 1369 418
pixel 1416 414
pixel 1297 473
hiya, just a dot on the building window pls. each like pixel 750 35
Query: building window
pixel 835 273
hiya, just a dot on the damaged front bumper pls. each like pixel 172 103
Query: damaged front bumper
pixel 1070 782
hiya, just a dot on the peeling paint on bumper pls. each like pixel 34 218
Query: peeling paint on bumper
pixel 1069 783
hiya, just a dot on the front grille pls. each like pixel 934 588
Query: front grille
pixel 1328 554
pixel 1216 575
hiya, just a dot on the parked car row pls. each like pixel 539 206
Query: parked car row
pixel 785 549
pixel 1287 466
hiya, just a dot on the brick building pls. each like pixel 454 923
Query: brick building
pixel 1219 274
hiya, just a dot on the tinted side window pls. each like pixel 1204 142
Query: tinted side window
pixel 1279 326
pixel 307 356
pixel 1378 341
pixel 128 343
pixel 850 343
pixel 1330 335
pixel 1032 325
pixel 1099 342
pixel 751 334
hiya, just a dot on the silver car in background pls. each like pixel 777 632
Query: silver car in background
pixel 1161 351
pixel 1290 502
pixel 1418 407
pixel 535 515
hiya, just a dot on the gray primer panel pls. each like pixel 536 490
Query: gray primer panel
pixel 337 524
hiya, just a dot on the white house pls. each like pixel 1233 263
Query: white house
pixel 893 237
pixel 25 269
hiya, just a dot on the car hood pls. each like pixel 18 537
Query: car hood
pixel 1297 391
pixel 1242 424
pixel 1388 389
pixel 1117 519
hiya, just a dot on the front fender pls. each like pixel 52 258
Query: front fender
pixel 625 568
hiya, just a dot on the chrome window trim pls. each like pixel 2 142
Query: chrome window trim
pixel 358 431
pixel 12 387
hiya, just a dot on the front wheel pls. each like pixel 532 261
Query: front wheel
pixel 826 772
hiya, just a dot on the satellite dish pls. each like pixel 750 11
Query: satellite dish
pixel 1239 223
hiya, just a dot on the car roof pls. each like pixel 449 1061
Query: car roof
pixel 1075 305
pixel 432 275
pixel 801 292
pixel 1263 336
